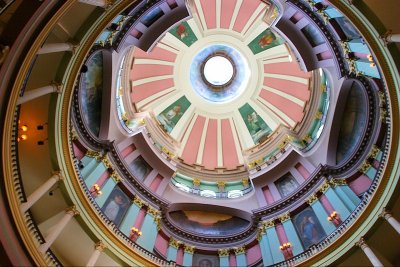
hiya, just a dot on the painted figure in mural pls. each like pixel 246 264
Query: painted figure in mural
pixel 113 207
pixel 140 168
pixel 205 263
pixel 266 39
pixel 253 122
pixel 181 31
pixel 309 230
pixel 287 186
pixel 175 111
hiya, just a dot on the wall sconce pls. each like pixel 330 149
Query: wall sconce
pixel 135 233
pixel 95 190
pixel 285 248
pixel 22 137
pixel 334 217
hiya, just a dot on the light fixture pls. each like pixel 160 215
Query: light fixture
pixel 24 128
pixel 334 217
pixel 95 190
pixel 135 233
pixel 285 248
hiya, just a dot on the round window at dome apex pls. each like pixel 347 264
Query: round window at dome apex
pixel 218 70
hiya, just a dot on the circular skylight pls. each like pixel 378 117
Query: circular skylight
pixel 218 70
pixel 219 73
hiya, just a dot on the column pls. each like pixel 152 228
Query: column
pixel 100 3
pixel 188 255
pixel 223 257
pixel 368 252
pixel 350 199
pixel 240 256
pixel 321 214
pixel 291 234
pixel 392 221
pixel 390 37
pixel 150 228
pixel 173 249
pixel 265 248
pixel 38 193
pixel 55 232
pixel 55 47
pixel 38 92
pixel 98 248
pixel 274 243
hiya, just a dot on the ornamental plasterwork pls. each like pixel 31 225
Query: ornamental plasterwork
pixel 239 250
pixel 189 249
pixel 325 186
pixel 223 252
pixel 285 217
pixel 311 199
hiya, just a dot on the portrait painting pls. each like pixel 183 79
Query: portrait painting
pixel 208 223
pixel 256 126
pixel 286 184
pixel 308 228
pixel 265 40
pixel 90 92
pixel 140 168
pixel 313 35
pixel 347 28
pixel 354 121
pixel 116 206
pixel 202 260
pixel 152 16
pixel 173 113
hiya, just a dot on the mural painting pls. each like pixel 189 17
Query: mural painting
pixel 286 184
pixel 256 126
pixel 209 223
pixel 152 16
pixel 173 113
pixel 313 35
pixel 353 123
pixel 265 40
pixel 140 168
pixel 184 33
pixel 348 29
pixel 90 93
pixel 201 260
pixel 116 205
pixel 308 228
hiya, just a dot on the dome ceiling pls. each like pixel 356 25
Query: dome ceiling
pixel 214 124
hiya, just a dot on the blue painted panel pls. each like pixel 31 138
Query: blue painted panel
pixel 95 175
pixel 106 190
pixel 149 233
pixel 224 261
pixel 129 219
pixel 293 237
pixel 337 204
pixel 241 260
pixel 266 251
pixel 274 243
pixel 89 164
pixel 322 217
pixel 171 253
pixel 187 259
pixel 357 45
pixel 349 198
pixel 333 12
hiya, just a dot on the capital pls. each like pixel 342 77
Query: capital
pixel 239 250
pixel 189 249
pixel 361 243
pixel 223 252
pixel 100 246
pixel 72 210
pixel 385 214
pixel 285 217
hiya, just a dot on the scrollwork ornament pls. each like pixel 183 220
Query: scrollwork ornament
pixel 285 217
pixel 189 249
pixel 268 224
pixel 311 199
pixel 223 252
pixel 239 250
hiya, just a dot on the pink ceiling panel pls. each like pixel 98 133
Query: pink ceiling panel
pixel 286 68
pixel 298 90
pixel 247 8
pixel 291 109
pixel 210 155
pixel 191 149
pixel 145 90
pixel 141 71
pixel 229 155
pixel 209 11
pixel 157 53
pixel 227 7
